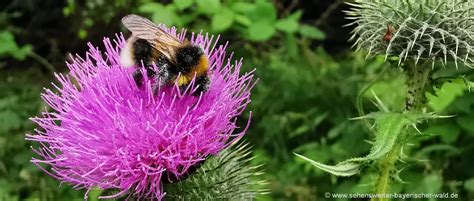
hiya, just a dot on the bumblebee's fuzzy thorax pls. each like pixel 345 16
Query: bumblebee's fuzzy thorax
pixel 192 63
pixel 198 70
pixel 188 57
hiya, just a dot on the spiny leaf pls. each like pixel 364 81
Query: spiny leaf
pixel 389 127
pixel 343 169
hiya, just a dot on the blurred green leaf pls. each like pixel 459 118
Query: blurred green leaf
pixel 287 25
pixel 464 104
pixel 183 4
pixel 9 120
pixel 337 130
pixel 242 19
pixel 21 157
pixel 160 14
pixel 291 45
pixel 312 149
pixel 430 184
pixel 449 133
pixel 441 148
pixel 208 6
pixel 186 20
pixel 263 12
pixel 222 20
pixel 82 33
pixel 94 194
pixel 69 8
pixel 22 52
pixel 9 47
pixel 88 22
pixel 446 94
pixel 295 15
pixel 150 7
pixel 242 7
pixel 433 183
pixel 390 91
pixel 311 32
pixel 467 123
pixel 260 31
pixel 469 184
pixel 299 130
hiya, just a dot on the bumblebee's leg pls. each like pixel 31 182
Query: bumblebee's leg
pixel 142 52
pixel 156 86
pixel 202 82
pixel 163 76
pixel 183 88
pixel 138 77
pixel 150 72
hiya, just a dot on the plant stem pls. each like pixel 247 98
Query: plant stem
pixel 42 61
pixel 418 82
pixel 360 106
pixel 386 170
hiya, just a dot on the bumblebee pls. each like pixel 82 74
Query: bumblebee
pixel 176 61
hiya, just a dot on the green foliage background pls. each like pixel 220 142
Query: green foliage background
pixel 306 95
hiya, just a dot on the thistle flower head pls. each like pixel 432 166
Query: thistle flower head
pixel 105 132
pixel 429 31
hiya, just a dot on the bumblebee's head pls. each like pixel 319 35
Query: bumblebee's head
pixel 188 57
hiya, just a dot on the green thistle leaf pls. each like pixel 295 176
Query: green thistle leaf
pixel 343 169
pixel 390 128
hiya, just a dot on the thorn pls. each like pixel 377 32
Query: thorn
pixel 369 142
pixel 380 104
pixel 397 176
pixel 416 128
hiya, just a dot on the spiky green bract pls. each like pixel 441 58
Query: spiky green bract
pixel 391 130
pixel 425 30
pixel 226 176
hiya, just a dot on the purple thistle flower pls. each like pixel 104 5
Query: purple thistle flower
pixel 106 132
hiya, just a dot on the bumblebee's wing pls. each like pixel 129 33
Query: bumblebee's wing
pixel 156 36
